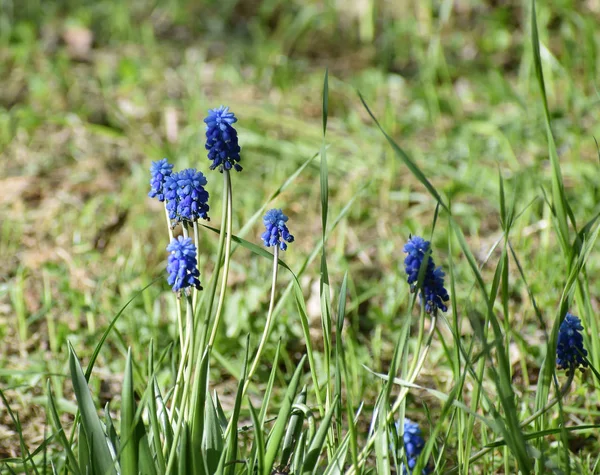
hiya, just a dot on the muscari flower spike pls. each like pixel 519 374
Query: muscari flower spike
pixel 413 446
pixel 432 291
pixel 570 353
pixel 182 265
pixel 276 233
pixel 159 171
pixel 187 200
pixel 222 139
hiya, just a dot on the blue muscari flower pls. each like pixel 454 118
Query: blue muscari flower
pixel 277 233
pixel 182 265
pixel 570 353
pixel 186 197
pixel 159 171
pixel 413 445
pixel 222 139
pixel 432 290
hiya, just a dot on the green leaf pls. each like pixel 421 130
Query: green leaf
pixel 55 418
pixel 185 451
pixel 213 438
pixel 198 413
pixel 155 427
pixel 269 389
pixel 101 457
pixel 294 428
pixel 259 441
pixel 129 444
pixel 232 445
pixel 316 445
pixel 277 433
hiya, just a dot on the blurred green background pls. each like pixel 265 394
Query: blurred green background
pixel 92 91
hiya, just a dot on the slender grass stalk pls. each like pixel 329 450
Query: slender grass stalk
pixel 267 330
pixel 219 312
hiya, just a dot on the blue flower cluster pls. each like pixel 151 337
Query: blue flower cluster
pixel 222 139
pixel 182 265
pixel 276 233
pixel 413 446
pixel 432 290
pixel 159 171
pixel 186 197
pixel 570 352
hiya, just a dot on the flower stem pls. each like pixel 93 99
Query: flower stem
pixel 219 311
pixel 268 324
pixel 185 394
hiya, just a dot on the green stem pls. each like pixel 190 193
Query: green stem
pixel 269 322
pixel 219 312
pixel 185 395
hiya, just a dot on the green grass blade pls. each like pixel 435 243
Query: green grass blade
pixel 199 414
pixel 129 444
pixel 293 430
pixel 232 446
pixel 277 433
pixel 101 457
pixel 185 451
pixel 316 445
pixel 54 417
pixel 213 440
pixel 259 441
pixel 269 389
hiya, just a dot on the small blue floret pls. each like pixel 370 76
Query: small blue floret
pixel 222 139
pixel 276 232
pixel 159 171
pixel 432 289
pixel 413 446
pixel 570 352
pixel 182 265
pixel 187 200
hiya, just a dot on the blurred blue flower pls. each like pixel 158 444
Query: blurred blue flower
pixel 570 353
pixel 222 139
pixel 413 445
pixel 159 171
pixel 186 197
pixel 432 289
pixel 182 264
pixel 276 233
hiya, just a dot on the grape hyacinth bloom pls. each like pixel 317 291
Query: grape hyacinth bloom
pixel 277 233
pixel 570 353
pixel 182 265
pixel 222 139
pixel 432 289
pixel 413 445
pixel 187 200
pixel 159 171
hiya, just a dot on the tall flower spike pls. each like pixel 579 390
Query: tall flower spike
pixel 186 197
pixel 182 265
pixel 570 352
pixel 432 289
pixel 159 171
pixel 413 446
pixel 276 233
pixel 222 139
